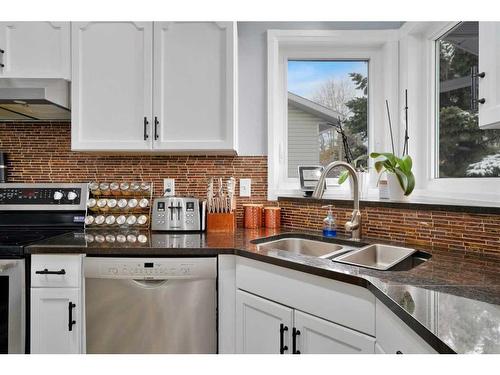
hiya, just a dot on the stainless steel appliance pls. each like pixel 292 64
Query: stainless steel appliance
pixel 29 213
pixel 27 99
pixel 150 305
pixel 177 213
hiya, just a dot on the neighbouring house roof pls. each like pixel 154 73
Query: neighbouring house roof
pixel 306 105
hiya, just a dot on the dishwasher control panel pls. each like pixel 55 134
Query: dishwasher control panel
pixel 149 268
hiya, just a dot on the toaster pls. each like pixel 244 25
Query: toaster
pixel 178 214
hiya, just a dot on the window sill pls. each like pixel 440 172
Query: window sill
pixel 413 203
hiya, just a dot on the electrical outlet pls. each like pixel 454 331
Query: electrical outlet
pixel 168 187
pixel 245 187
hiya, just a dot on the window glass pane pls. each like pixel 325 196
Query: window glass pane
pixel 464 149
pixel 323 94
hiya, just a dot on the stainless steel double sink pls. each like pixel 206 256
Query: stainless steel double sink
pixel 375 256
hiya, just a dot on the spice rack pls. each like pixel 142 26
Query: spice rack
pixel 119 205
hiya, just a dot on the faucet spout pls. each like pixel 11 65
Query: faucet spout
pixel 354 225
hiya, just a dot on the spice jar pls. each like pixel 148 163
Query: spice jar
pixel 94 188
pixel 125 188
pixel 121 238
pixel 142 219
pixel 131 220
pixel 131 238
pixel 89 220
pixel 110 238
pixel 102 204
pixel 135 188
pixel 110 220
pixel 120 220
pixel 142 238
pixel 143 203
pixel 112 204
pixel 272 217
pixel 132 204
pixel 114 187
pixel 252 215
pixel 99 220
pixel 92 204
pixel 104 187
pixel 122 204
pixel 145 187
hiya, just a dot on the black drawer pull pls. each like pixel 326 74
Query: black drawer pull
pixel 283 329
pixel 156 127
pixel 481 101
pixel 399 352
pixel 71 322
pixel 2 51
pixel 47 272
pixel 295 333
pixel 2 65
pixel 146 136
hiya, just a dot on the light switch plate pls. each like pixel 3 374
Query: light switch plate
pixel 245 187
pixel 168 187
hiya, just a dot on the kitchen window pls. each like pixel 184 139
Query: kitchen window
pixel 463 149
pixel 326 99
pixel 318 80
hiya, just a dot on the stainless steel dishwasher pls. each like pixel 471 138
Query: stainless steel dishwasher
pixel 150 305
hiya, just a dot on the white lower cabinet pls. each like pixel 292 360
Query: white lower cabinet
pixel 262 326
pixel 266 327
pixel 55 321
pixel 318 336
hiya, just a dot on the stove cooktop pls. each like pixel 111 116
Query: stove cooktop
pixel 13 241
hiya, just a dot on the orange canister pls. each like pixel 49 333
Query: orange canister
pixel 272 217
pixel 252 215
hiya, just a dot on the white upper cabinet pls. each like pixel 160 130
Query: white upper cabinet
pixel 176 95
pixel 489 85
pixel 195 86
pixel 112 85
pixel 35 50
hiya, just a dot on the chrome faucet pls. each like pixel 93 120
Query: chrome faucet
pixel 354 225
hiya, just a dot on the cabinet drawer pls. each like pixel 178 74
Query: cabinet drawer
pixel 345 304
pixel 56 271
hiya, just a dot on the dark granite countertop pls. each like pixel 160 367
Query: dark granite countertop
pixel 452 300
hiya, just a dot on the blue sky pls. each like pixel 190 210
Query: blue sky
pixel 305 76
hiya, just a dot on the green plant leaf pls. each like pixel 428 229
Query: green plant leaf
pixel 379 166
pixel 411 183
pixel 408 161
pixel 342 177
pixel 403 181
pixel 387 155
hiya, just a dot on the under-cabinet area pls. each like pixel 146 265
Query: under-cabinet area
pixel 262 308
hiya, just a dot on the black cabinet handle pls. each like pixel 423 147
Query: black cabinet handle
pixel 399 352
pixel 283 329
pixel 2 65
pixel 295 333
pixel 481 101
pixel 71 322
pixel 481 75
pixel 146 136
pixel 47 272
pixel 2 51
pixel 156 127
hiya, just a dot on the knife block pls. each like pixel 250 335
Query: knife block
pixel 221 222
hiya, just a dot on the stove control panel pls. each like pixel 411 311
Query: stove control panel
pixel 43 196
pixel 147 268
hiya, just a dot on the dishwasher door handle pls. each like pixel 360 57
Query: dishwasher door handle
pixel 150 284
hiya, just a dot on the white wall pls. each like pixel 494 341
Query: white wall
pixel 252 47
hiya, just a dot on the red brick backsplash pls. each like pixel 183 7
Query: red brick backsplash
pixel 42 153
pixel 429 228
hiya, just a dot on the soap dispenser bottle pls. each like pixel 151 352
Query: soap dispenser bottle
pixel 329 225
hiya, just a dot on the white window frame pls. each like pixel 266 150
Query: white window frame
pixel 419 59
pixel 379 47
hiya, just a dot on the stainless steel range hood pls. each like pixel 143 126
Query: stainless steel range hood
pixel 23 99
